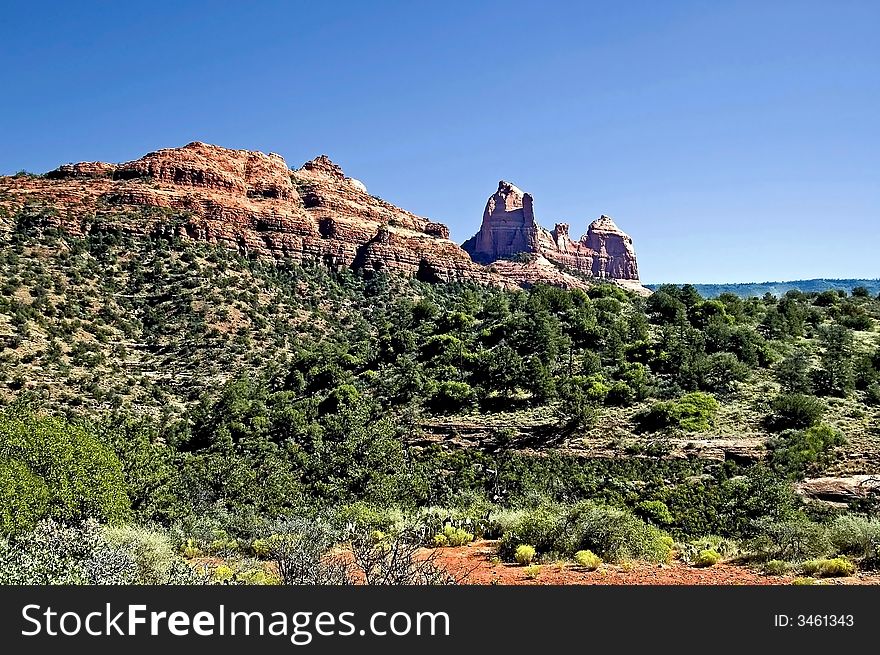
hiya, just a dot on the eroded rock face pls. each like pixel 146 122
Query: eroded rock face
pixel 840 490
pixel 509 229
pixel 237 172
pixel 252 202
pixel 508 226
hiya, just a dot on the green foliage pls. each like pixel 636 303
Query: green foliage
pixel 452 397
pixel 588 560
pixel 612 533
pixel 524 554
pixel 795 411
pixel 655 511
pixel 829 568
pixel 453 537
pixel 857 536
pixel 776 567
pixel 693 412
pixel 793 373
pixel 153 552
pixel 259 389
pixel 53 469
pixel 791 539
pixel 795 453
pixel 532 572
pixel 835 376
pixel 56 554
pixel 707 557
pixel 53 553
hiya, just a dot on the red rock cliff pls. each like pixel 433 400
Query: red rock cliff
pixel 509 228
pixel 252 202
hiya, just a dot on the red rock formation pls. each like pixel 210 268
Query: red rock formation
pixel 252 202
pixel 509 228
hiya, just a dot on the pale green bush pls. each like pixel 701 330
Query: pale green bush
pixel 829 568
pixel 707 557
pixel 524 554
pixel 153 552
pixel 588 559
pixel 533 571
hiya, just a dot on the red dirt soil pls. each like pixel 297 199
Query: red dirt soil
pixel 471 565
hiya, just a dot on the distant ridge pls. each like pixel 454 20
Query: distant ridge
pixel 747 289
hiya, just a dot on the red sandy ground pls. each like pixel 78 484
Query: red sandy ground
pixel 472 565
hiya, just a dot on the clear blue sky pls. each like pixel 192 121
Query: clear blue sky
pixel 735 141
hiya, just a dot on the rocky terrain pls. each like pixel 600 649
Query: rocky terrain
pixel 509 230
pixel 254 203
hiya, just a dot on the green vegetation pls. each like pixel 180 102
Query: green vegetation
pixel 829 568
pixel 532 572
pixel 707 557
pixel 50 468
pixel 587 559
pixel 693 412
pixel 758 289
pixel 524 554
pixel 196 404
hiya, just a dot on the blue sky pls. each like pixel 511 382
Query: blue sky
pixel 735 141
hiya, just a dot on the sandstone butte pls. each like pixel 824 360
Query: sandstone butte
pixel 252 202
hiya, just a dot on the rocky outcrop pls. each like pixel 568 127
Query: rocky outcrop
pixel 237 172
pixel 508 226
pixel 509 230
pixel 82 170
pixel 841 491
pixel 254 203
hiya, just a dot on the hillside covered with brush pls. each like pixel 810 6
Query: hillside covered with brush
pixel 151 379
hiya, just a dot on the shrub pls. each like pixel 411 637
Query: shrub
pixel 799 582
pixel 452 397
pixel 256 575
pixel 56 554
pixel 153 552
pixel 532 572
pixel 776 567
pixel 693 412
pixel 524 554
pixel 696 412
pixel 720 371
pixel 829 568
pixel 596 389
pixel 540 527
pixel 452 537
pixel 795 411
pixel 790 539
pixel 796 453
pixel 872 394
pixel 588 559
pixel 707 557
pixel 260 548
pixel 299 547
pixel 52 469
pixel 690 552
pixel 655 511
pixel 858 536
pixel 191 550
pixel 222 574
pixel 613 534
pixel 620 394
pixel 394 561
